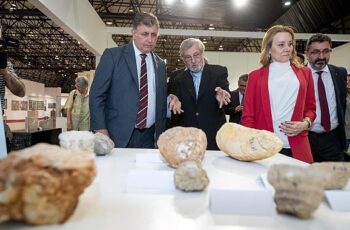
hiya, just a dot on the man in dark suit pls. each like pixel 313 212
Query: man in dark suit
pixel 327 134
pixel 237 96
pixel 128 97
pixel 202 90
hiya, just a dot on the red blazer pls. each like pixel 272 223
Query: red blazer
pixel 257 109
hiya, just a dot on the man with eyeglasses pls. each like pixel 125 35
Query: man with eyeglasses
pixel 203 91
pixel 327 134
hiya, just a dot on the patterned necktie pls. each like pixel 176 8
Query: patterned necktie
pixel 141 118
pixel 325 120
pixel 196 81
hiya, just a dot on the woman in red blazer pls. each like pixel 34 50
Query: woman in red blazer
pixel 280 95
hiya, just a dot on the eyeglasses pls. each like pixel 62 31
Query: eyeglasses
pixel 318 52
pixel 196 56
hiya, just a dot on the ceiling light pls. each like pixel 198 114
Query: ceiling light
pixel 240 3
pixel 131 10
pixel 109 23
pixel 191 2
pixel 211 27
pixel 286 2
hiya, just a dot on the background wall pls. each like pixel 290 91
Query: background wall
pixel 241 63
pixel 18 107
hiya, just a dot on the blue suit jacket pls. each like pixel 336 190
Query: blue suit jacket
pixel 114 94
pixel 339 80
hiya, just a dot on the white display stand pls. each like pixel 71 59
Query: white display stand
pixel 109 204
pixel 3 149
pixel 61 122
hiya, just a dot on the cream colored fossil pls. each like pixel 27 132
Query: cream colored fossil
pixel 41 185
pixel 247 144
pixel 181 144
pixel 298 191
pixel 190 177
pixel 339 172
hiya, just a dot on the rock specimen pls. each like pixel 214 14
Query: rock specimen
pixel 102 144
pixel 41 184
pixel 77 141
pixel 190 177
pixel 298 191
pixel 247 144
pixel 180 144
pixel 339 172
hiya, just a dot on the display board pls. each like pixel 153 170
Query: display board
pixel 3 150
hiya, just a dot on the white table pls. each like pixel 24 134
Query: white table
pixel 108 205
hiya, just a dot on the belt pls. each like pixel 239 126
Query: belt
pixel 144 129
pixel 323 133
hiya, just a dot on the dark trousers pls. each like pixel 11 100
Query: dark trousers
pixel 142 138
pixel 326 146
pixel 286 152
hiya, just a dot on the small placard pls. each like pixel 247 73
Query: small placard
pixel 265 182
pixel 339 200
pixel 242 202
pixel 151 180
pixel 148 158
pixel 3 149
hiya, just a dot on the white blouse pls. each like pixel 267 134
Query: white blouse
pixel 283 91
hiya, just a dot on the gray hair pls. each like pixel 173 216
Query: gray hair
pixel 82 81
pixel 189 42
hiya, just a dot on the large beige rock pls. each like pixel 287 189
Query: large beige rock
pixel 339 172
pixel 247 144
pixel 298 191
pixel 181 144
pixel 41 185
pixel 190 177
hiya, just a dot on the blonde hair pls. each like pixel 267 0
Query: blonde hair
pixel 266 44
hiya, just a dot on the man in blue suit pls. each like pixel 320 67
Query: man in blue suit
pixel 327 136
pixel 115 96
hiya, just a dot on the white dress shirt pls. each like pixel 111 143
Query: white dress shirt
pixel 330 94
pixel 151 106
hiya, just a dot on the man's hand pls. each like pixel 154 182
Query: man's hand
pixel 103 131
pixel 222 96
pixel 239 109
pixel 175 104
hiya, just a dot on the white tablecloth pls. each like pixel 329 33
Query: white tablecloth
pixel 107 204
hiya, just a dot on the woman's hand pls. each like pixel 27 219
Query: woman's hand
pixel 293 128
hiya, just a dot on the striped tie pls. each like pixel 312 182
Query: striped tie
pixel 141 118
pixel 325 118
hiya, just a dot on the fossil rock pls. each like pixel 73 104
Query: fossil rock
pixel 298 191
pixel 339 172
pixel 77 141
pixel 103 144
pixel 180 144
pixel 247 144
pixel 190 177
pixel 41 185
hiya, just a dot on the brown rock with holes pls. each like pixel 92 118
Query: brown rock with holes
pixel 247 144
pixel 190 177
pixel 339 172
pixel 41 185
pixel 180 144
pixel 298 191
